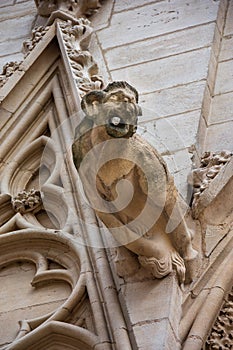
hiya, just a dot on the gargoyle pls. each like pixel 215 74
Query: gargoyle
pixel 128 184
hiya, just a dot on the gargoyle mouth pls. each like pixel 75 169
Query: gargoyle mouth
pixel 116 127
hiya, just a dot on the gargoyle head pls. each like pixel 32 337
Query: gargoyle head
pixel 116 108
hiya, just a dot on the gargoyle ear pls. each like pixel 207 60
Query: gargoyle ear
pixel 91 101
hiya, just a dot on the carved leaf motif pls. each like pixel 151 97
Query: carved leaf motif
pixel 221 336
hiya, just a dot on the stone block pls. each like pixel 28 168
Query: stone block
pixel 166 72
pixel 226 52
pixel 219 137
pixel 221 108
pixel 180 166
pixel 23 25
pixel 6 3
pixel 229 22
pixel 153 300
pixel 18 10
pixel 122 5
pixel 181 182
pixel 172 101
pixel 179 160
pixel 159 47
pixel 224 80
pixel 10 47
pixel 172 134
pixel 160 18
pixel 156 336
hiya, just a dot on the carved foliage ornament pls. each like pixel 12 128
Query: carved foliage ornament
pixel 28 45
pixel 128 184
pixel 221 336
pixel 37 35
pixel 211 164
pixel 84 68
pixel 8 69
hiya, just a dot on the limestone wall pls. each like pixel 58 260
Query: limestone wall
pixel 17 18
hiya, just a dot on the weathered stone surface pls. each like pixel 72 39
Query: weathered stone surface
pixel 157 335
pixel 146 298
pixel 171 71
pixel 124 5
pixel 180 165
pixel 23 25
pixel 226 52
pixel 159 18
pixel 219 137
pixel 171 101
pixel 224 79
pixel 6 3
pixel 229 23
pixel 182 132
pixel 221 108
pixel 162 46
pixel 9 320
pixel 18 10
pixel 16 279
pixel 11 47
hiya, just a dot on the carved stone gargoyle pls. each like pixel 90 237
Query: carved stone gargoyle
pixel 128 184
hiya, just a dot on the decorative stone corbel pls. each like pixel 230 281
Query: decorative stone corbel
pixel 128 184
